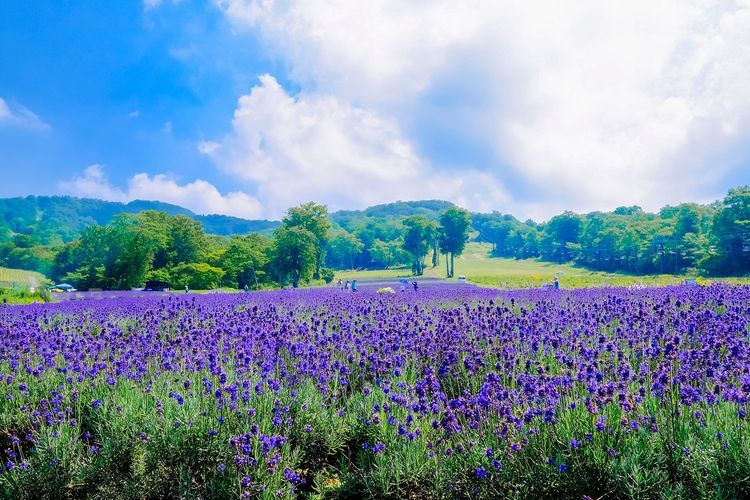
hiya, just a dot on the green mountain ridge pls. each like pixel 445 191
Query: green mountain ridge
pixel 60 219
pixel 53 220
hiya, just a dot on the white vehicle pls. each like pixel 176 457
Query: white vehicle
pixel 63 287
pixel 462 279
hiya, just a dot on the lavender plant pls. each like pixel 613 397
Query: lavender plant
pixel 451 391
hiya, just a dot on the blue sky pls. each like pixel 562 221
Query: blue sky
pixel 248 107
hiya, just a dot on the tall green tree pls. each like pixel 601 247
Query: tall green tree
pixel 343 248
pixel 295 252
pixel 138 239
pixel 418 234
pixel 561 236
pixel 388 253
pixel 312 217
pixel 731 234
pixel 245 260
pixel 454 225
pixel 187 240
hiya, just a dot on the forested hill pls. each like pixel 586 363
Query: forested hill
pixel 432 209
pixel 60 219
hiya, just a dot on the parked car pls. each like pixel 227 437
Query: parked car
pixel 63 287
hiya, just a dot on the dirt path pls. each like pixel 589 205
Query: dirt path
pixel 433 272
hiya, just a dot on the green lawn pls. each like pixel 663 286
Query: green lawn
pixel 10 278
pixel 16 284
pixel 481 269
pixel 381 273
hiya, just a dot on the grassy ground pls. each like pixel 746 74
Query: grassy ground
pixel 18 277
pixel 381 273
pixel 479 268
pixel 16 286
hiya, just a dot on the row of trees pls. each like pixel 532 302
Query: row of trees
pixel 310 243
pixel 714 239
pixel 152 245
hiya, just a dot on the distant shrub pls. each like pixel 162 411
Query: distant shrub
pixel 327 274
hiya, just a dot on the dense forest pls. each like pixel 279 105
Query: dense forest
pixel 54 220
pixel 110 249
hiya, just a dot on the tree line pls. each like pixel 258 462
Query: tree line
pixel 707 239
pixel 312 244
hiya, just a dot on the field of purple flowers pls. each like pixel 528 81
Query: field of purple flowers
pixel 446 392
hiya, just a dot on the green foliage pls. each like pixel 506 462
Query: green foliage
pixel 418 237
pixel 454 232
pixel 121 251
pixel 731 234
pixel 343 248
pixel 245 261
pixel 54 220
pixel 295 251
pixel 388 253
pixel 327 274
pixel 198 275
pixel 313 218
pixel 23 295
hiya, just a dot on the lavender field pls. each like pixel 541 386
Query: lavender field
pixel 445 392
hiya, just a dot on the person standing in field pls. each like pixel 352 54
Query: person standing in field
pixel 187 289
pixel 354 285
pixel 415 285
pixel 346 285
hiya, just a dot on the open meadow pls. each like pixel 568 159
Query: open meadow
pixel 451 391
pixel 19 286
pixel 476 264
pixel 479 268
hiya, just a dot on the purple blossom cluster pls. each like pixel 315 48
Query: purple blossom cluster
pixel 448 371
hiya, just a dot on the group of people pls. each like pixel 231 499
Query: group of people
pixel 345 286
pixel 341 285
pixel 404 282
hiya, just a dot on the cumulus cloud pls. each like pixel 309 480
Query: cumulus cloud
pixel 92 183
pixel 20 117
pixel 199 196
pixel 293 148
pixel 599 103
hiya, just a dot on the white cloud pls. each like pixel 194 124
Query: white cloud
pixel 199 196
pixel 599 103
pixel 20 117
pixel 93 184
pixel 208 147
pixel 294 149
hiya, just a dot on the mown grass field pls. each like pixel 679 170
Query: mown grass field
pixel 10 277
pixel 479 268
pixel 379 273
pixel 16 284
